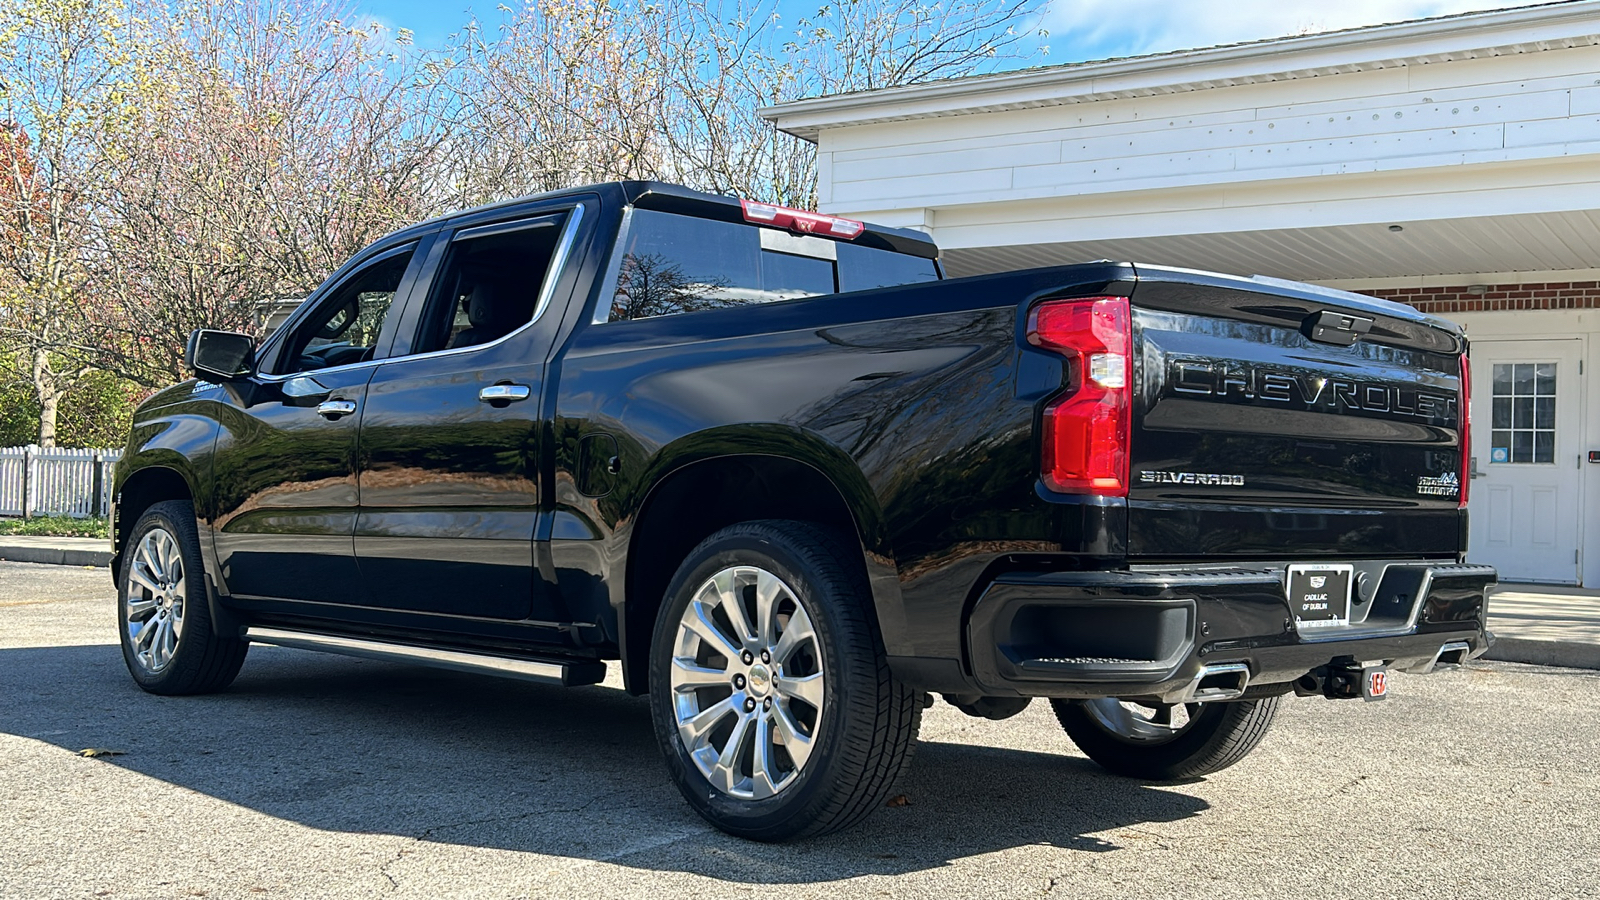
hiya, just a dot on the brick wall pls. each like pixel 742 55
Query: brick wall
pixel 1540 295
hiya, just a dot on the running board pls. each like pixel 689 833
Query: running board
pixel 566 674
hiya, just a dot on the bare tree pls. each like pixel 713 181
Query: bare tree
pixel 652 285
pixel 565 92
pixel 727 60
pixel 557 93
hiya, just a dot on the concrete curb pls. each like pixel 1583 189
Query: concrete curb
pixel 1569 654
pixel 55 556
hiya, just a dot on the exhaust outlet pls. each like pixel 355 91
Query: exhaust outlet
pixel 1220 681
pixel 1450 653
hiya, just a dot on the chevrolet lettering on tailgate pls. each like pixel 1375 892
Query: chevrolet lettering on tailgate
pixel 1243 382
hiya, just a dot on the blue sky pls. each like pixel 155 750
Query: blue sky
pixel 1079 29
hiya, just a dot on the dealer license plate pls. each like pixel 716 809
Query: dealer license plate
pixel 1319 594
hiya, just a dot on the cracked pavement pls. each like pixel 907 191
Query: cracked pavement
pixel 319 776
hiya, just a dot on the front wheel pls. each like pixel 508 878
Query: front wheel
pixel 771 694
pixel 167 638
pixel 1165 742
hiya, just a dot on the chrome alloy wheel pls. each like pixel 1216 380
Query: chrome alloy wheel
pixel 157 591
pixel 747 683
pixel 1142 723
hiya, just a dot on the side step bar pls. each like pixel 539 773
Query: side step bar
pixel 566 673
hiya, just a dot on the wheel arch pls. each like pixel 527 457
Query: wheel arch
pixel 693 494
pixel 141 489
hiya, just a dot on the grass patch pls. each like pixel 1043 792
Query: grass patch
pixel 56 526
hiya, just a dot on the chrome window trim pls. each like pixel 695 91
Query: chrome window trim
pixel 558 262
pixel 608 285
pixel 347 367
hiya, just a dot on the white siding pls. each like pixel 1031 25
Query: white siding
pixel 1279 147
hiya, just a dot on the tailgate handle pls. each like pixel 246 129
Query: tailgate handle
pixel 1333 327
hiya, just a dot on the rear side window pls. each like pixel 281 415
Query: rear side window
pixel 490 283
pixel 675 264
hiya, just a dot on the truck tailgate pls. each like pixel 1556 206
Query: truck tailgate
pixel 1256 435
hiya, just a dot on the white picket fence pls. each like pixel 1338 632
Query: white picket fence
pixel 55 482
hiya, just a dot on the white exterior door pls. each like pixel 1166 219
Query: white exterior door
pixel 1527 427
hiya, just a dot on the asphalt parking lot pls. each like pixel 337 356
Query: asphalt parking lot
pixel 319 776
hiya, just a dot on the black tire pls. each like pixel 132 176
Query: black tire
pixel 202 661
pixel 867 727
pixel 1217 736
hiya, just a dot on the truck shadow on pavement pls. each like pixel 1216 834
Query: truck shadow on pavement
pixel 372 747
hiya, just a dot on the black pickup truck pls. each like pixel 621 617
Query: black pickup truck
pixel 796 482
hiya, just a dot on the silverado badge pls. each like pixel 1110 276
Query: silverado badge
pixel 1205 478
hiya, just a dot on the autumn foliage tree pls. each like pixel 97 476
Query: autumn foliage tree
pixel 274 142
pixel 167 165
pixel 62 65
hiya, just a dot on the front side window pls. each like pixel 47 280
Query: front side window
pixel 344 328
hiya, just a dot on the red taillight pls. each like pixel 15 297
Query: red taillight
pixel 1466 427
pixel 801 221
pixel 1084 443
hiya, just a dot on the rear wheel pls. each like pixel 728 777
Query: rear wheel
pixel 1164 742
pixel 167 638
pixel 772 698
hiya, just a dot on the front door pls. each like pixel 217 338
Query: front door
pixel 1527 489
pixel 284 467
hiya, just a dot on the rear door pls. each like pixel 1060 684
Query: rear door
pixel 1528 474
pixel 452 439
pixel 1252 440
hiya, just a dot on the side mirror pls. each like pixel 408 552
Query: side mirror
pixel 219 356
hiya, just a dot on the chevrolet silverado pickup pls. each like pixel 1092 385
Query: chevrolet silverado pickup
pixel 794 482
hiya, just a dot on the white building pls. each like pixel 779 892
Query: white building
pixel 1450 163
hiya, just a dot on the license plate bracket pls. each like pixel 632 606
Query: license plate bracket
pixel 1319 594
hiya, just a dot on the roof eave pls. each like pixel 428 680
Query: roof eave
pixel 1380 46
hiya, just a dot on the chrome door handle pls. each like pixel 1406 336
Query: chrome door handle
pixel 333 409
pixel 504 393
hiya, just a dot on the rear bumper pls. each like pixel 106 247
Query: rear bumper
pixel 1167 634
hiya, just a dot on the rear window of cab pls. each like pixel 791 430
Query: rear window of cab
pixel 673 264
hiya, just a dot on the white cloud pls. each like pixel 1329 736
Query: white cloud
pixel 1094 29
